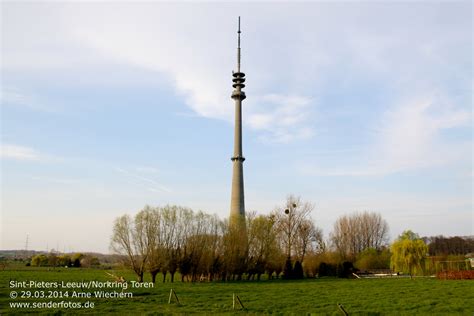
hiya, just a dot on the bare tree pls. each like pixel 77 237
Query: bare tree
pixel 290 220
pixel 199 242
pixel 171 238
pixel 135 239
pixel 443 246
pixel 172 232
pixel 262 242
pixel 354 233
pixel 235 252
pixel 308 237
pixel 155 257
pixel 213 256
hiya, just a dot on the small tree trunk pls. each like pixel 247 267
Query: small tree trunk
pixel 153 274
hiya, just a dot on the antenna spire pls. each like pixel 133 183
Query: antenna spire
pixel 238 48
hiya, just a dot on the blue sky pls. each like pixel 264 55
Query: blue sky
pixel 354 106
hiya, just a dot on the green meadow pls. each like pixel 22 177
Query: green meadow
pixel 388 296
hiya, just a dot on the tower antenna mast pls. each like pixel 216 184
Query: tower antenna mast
pixel 238 48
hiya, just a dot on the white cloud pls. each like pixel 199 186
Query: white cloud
pixel 197 57
pixel 24 153
pixel 10 96
pixel 137 179
pixel 16 152
pixel 281 118
pixel 408 137
pixel 147 169
pixel 135 36
pixel 449 215
pixel 56 180
pixel 311 53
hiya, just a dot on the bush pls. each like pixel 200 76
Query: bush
pixel 52 260
pixel 345 269
pixel 39 261
pixel 64 261
pixel 89 261
pixel 327 269
pixel 76 259
pixel 371 259
pixel 298 271
pixel 288 270
pixel 456 275
pixel 311 266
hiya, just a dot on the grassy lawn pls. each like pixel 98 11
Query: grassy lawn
pixel 315 296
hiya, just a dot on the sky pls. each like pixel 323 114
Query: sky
pixel 355 106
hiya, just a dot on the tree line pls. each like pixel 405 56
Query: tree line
pixel 63 260
pixel 444 246
pixel 286 242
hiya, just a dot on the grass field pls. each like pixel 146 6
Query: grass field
pixel 315 296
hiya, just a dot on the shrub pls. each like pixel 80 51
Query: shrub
pixel 456 275
pixel 371 259
pixel 345 269
pixel 298 271
pixel 311 266
pixel 89 261
pixel 64 261
pixel 288 270
pixel 39 261
pixel 327 269
pixel 52 260
pixel 76 259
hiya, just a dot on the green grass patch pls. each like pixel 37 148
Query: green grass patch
pixel 316 296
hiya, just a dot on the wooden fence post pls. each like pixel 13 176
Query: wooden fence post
pixel 342 309
pixel 238 300
pixel 172 292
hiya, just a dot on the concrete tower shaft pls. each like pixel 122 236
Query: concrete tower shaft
pixel 237 204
